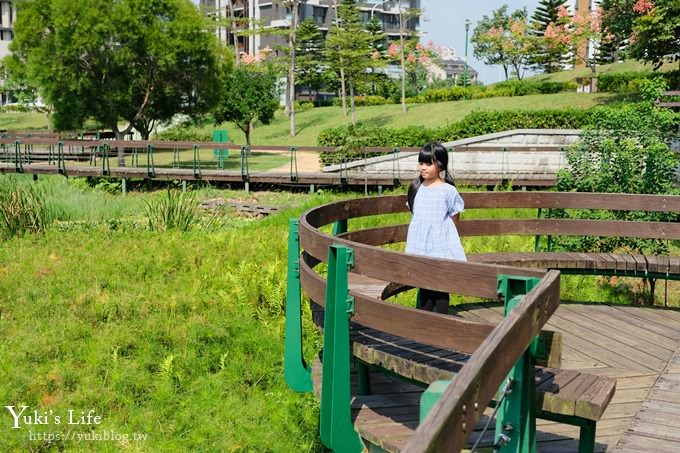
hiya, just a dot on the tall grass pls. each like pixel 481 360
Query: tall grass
pixel 23 209
pixel 173 210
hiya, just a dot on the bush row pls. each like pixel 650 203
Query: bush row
pixel 630 81
pixel 350 139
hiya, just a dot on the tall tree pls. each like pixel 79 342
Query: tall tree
pixel 503 39
pixel 247 94
pixel 294 6
pixel 544 57
pixel 656 31
pixel 125 61
pixel 309 55
pixel 617 25
pixel 348 48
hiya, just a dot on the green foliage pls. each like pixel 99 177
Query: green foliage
pixel 174 210
pixel 656 33
pixel 362 101
pixel 543 57
pixel 23 209
pixel 184 133
pixel 631 81
pixel 624 152
pixel 130 61
pixel 503 39
pixel 248 94
pixel 309 55
pixel 350 138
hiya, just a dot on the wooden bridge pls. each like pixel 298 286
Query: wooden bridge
pixel 603 378
pixel 191 161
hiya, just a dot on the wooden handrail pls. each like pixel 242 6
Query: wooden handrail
pixel 452 419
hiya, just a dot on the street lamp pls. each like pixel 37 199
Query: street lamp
pixel 378 4
pixel 465 70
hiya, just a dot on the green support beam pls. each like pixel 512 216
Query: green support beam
pixel 516 417
pixel 297 374
pixel 336 429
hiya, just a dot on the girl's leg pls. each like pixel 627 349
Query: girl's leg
pixel 436 301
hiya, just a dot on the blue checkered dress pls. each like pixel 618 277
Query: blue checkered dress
pixel 431 231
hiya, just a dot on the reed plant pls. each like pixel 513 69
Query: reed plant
pixel 23 209
pixel 175 210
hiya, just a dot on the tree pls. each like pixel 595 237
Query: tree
pixel 309 61
pixel 575 32
pixel 617 25
pixel 348 48
pixel 544 57
pixel 503 39
pixel 656 31
pixel 248 94
pixel 294 6
pixel 130 61
pixel 623 151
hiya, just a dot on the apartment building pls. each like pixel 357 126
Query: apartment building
pixel 270 17
pixel 7 16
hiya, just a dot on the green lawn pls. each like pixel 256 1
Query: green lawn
pixel 309 123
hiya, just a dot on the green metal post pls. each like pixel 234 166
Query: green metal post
pixel 197 163
pixel 337 431
pixel 297 374
pixel 537 240
pixel 106 167
pixel 516 417
pixel 245 175
pixel 340 227
pixel 150 168
pixel 18 165
pixel 293 164
pixel 396 171
pixel 61 164
pixel 431 395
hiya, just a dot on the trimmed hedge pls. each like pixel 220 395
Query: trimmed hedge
pixel 350 139
pixel 629 82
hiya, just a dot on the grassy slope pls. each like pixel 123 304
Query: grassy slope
pixel 631 65
pixel 310 123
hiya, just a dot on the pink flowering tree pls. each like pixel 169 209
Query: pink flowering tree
pixel 504 39
pixel 575 32
pixel 656 31
pixel 417 58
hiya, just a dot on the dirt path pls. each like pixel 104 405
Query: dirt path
pixel 307 161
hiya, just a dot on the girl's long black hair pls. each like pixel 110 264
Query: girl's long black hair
pixel 432 153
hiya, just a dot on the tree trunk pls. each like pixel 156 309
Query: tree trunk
pixel 291 68
pixel 403 62
pixel 120 151
pixel 351 101
pixel 342 88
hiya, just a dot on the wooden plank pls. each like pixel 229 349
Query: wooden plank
pixel 666 317
pixel 634 333
pixel 642 443
pixel 658 355
pixel 634 318
pixel 608 350
pixel 641 263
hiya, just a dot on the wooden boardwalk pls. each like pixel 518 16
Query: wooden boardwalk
pixel 640 347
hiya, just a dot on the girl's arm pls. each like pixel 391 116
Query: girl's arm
pixel 456 218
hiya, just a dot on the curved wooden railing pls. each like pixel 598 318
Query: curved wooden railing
pixel 494 349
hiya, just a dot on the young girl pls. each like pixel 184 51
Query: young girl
pixel 435 203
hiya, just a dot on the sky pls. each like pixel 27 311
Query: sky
pixel 444 23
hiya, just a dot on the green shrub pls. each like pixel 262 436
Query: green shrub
pixel 631 81
pixel 23 209
pixel 303 106
pixel 363 101
pixel 174 210
pixel 184 134
pixel 350 139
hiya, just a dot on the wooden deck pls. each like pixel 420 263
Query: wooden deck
pixel 639 346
